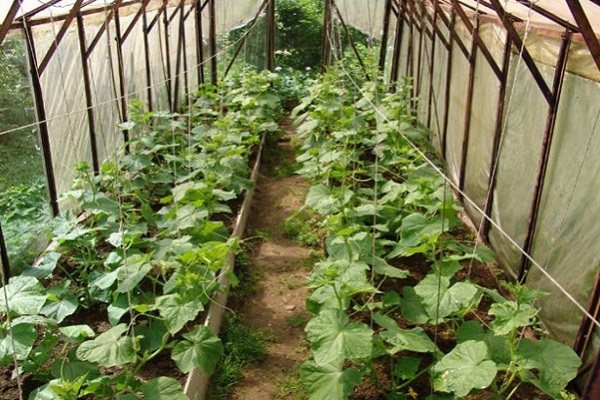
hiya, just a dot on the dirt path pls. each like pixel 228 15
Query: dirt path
pixel 278 307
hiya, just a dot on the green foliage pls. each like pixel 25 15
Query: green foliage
pixel 302 227
pixel 243 345
pixel 381 204
pixel 148 248
pixel 19 151
pixel 25 216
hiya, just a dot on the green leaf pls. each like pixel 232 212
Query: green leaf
pixel 412 306
pixel 136 162
pixel 46 267
pixel 510 316
pixel 131 272
pixel 465 368
pixel 61 309
pixel 556 363
pixel 177 311
pixel 109 349
pixel 70 370
pixel 326 201
pixel 117 308
pixel 497 345
pixel 25 295
pixel 333 338
pixel 163 388
pixel 77 332
pixel 383 268
pixel 20 344
pixel 406 368
pixel 201 349
pixel 412 340
pixel 440 300
pixel 328 382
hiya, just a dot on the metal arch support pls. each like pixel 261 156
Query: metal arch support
pixel 586 29
pixel 40 113
pixel 478 40
pixel 88 93
pixel 212 32
pixel 12 12
pixel 516 39
pixel 4 258
pixel 559 75
pixel 386 32
pixel 199 41
pixel 59 36
pixel 271 26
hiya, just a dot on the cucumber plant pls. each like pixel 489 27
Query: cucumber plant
pixel 393 280
pixel 146 251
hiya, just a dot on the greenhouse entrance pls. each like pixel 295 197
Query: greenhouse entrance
pixel 290 199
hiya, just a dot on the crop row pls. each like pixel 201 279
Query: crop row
pixel 131 271
pixel 396 303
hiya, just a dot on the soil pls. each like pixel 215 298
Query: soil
pixel 283 266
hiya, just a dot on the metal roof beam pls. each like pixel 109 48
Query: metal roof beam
pixel 586 29
pixel 14 9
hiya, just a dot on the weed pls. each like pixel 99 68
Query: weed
pixel 263 236
pixel 290 387
pixel 244 345
pixel 296 320
pixel 286 167
pixel 301 226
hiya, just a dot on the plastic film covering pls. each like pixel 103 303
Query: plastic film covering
pixel 423 61
pixel 566 241
pixel 518 162
pixel 104 86
pixel 364 15
pixel 64 96
pixel 486 94
pixel 439 89
pixel 456 109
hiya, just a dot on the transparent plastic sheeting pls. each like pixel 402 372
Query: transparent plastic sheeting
pixel 63 84
pixel 565 243
pixel 364 15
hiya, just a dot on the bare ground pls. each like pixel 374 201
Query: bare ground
pixel 283 266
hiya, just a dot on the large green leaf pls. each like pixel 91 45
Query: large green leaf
pixel 163 388
pixel 497 345
pixel 60 308
pixel 440 299
pixel 510 316
pixel 19 344
pixel 409 339
pixel 201 349
pixel 177 311
pixel 109 349
pixel 328 382
pixel 556 363
pixel 131 272
pixel 25 295
pixel 333 338
pixel 465 368
pixel 326 201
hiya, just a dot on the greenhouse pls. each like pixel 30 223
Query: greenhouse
pixel 299 199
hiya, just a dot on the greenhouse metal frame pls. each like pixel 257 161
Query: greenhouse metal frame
pixel 430 40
